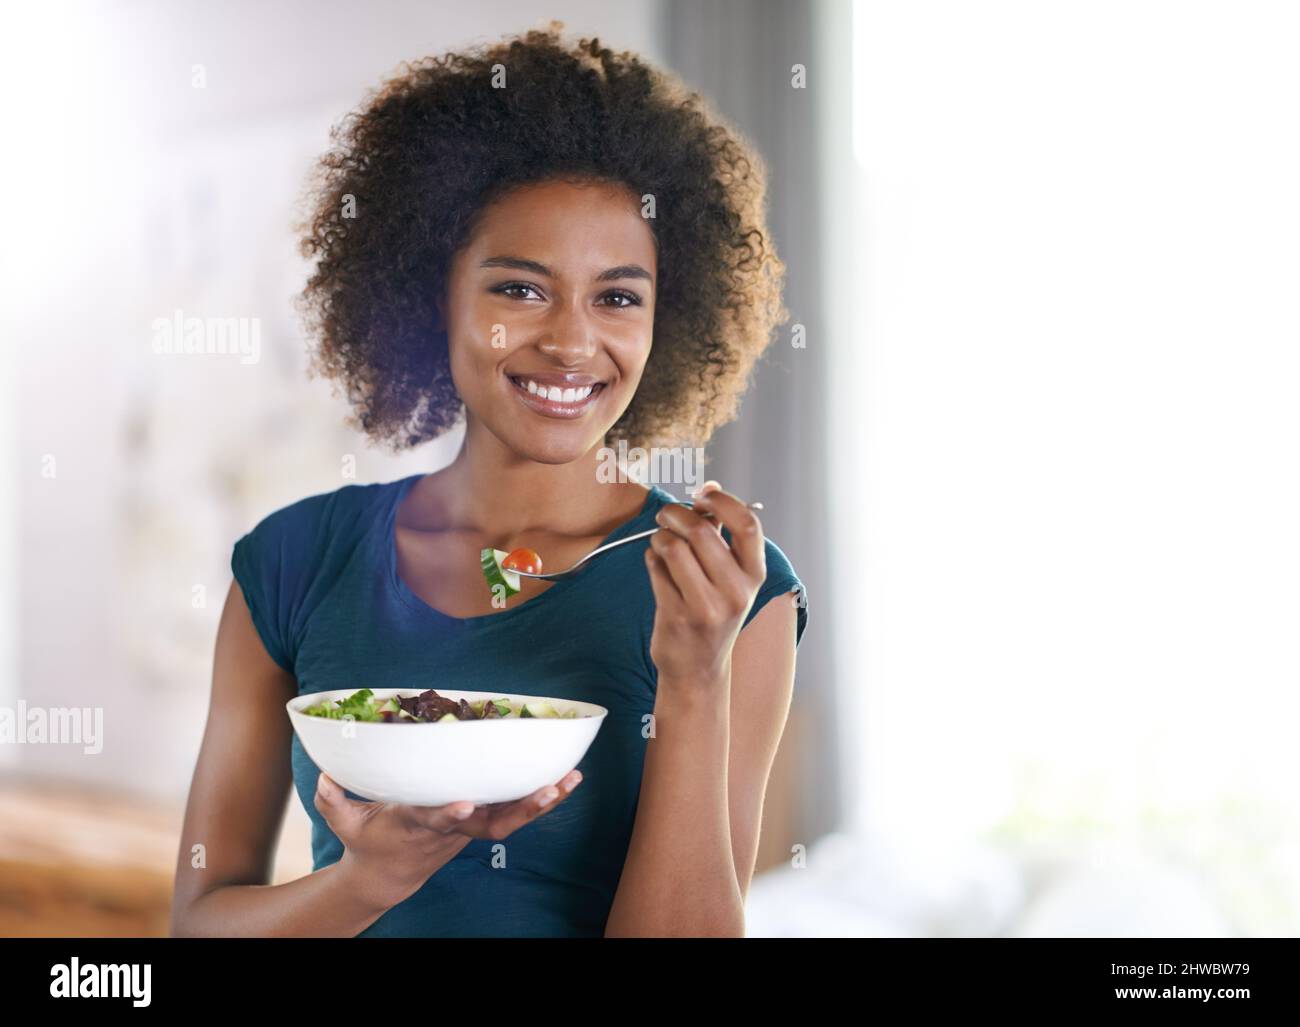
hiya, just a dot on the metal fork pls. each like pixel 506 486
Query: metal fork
pixel 561 575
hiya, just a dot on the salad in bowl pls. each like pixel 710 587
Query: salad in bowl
pixel 430 707
pixel 453 746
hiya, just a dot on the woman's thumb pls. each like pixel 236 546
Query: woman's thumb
pixel 334 806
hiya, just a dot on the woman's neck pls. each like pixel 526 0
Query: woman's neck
pixel 491 489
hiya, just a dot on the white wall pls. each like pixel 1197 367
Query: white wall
pixel 143 194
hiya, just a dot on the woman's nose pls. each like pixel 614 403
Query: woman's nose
pixel 568 338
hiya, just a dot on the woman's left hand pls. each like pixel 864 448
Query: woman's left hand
pixel 703 588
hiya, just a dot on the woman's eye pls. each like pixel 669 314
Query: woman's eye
pixel 508 289
pixel 627 299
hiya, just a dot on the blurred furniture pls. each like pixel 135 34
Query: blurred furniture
pixel 77 863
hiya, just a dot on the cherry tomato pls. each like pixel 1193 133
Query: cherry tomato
pixel 523 560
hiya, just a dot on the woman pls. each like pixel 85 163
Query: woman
pixel 559 245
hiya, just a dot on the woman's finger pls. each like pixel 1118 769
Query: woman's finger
pixel 709 486
pixel 444 819
pixel 743 525
pixel 685 570
pixel 705 538
pixel 497 822
pixel 342 814
pixel 661 582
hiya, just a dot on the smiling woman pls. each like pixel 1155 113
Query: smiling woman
pixel 575 258
pixel 424 164
pixel 571 309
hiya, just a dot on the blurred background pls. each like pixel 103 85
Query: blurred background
pixel 1032 447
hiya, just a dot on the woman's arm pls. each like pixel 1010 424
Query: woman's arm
pixel 236 807
pixel 679 877
pixel 720 708
pixel 695 841
pixel 762 685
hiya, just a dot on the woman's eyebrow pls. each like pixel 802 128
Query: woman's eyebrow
pixel 523 264
pixel 519 264
pixel 625 271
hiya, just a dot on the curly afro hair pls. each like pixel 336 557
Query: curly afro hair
pixel 430 149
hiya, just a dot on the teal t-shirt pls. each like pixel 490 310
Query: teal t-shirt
pixel 320 580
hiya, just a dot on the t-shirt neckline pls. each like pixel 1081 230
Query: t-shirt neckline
pixel 655 497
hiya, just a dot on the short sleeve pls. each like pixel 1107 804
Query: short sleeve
pixel 280 565
pixel 781 582
pixel 256 564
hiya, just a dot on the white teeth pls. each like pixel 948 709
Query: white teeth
pixel 557 395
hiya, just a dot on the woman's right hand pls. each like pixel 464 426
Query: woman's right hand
pixel 392 849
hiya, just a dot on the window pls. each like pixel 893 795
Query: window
pixel 1065 363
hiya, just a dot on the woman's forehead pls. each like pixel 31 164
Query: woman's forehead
pixel 567 227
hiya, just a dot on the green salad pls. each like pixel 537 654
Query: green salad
pixel 429 707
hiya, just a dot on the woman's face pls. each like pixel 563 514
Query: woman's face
pixel 549 315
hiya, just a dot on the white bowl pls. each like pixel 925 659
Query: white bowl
pixel 478 761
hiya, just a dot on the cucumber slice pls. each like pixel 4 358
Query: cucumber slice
pixel 538 708
pixel 479 706
pixel 448 717
pixel 496 574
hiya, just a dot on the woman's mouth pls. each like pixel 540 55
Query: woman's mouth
pixel 562 401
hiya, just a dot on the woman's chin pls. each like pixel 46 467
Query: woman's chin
pixel 553 447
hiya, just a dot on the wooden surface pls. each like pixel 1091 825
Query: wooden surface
pixel 74 863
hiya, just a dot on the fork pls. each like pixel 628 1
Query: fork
pixel 561 575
